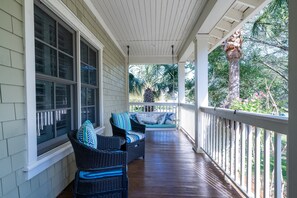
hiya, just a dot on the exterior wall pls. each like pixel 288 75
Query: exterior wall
pixel 114 83
pixel 13 153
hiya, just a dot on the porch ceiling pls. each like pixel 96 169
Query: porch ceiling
pixel 150 27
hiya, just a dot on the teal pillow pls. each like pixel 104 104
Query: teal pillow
pixel 121 120
pixel 86 134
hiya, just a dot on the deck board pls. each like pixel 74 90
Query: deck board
pixel 171 169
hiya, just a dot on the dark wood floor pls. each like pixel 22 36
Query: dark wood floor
pixel 172 169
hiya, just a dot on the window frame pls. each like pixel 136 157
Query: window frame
pixel 89 85
pixel 37 164
pixel 56 79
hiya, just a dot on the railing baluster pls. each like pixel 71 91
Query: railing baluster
pixel 212 136
pixel 277 165
pixel 237 161
pixel 224 144
pixel 242 169
pixel 257 163
pixel 211 143
pixel 208 133
pixel 231 162
pixel 249 159
pixel 266 163
pixel 228 147
pixel 217 139
pixel 220 140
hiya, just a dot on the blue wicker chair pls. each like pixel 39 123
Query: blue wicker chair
pixel 102 171
pixel 133 133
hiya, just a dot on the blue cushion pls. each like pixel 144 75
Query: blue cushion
pixel 86 134
pixel 134 136
pixel 97 175
pixel 121 120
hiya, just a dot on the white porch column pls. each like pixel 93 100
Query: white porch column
pixel 292 135
pixel 181 87
pixel 181 82
pixel 201 85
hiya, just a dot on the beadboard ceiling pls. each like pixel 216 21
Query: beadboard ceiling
pixel 151 27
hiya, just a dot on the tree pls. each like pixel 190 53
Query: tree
pixel 153 80
pixel 233 49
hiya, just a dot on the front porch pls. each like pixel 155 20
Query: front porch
pixel 172 169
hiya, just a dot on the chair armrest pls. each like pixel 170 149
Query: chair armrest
pixel 116 131
pixel 89 158
pixel 137 127
pixel 108 143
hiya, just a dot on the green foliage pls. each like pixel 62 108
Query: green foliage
pixel 160 79
pixel 257 104
pixel 217 77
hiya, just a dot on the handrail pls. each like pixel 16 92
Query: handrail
pixel 269 122
pixel 189 106
pixel 153 103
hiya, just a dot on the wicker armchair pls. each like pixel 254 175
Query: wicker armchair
pixel 102 171
pixel 135 149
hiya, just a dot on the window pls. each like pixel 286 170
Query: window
pixel 55 79
pixel 54 105
pixel 89 82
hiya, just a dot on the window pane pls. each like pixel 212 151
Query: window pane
pixel 84 52
pixel 45 59
pixel 84 73
pixel 65 40
pixel 84 114
pixel 91 96
pixel 88 113
pixel 83 96
pixel 65 67
pixel 44 95
pixel 46 134
pixel 93 58
pixel 63 96
pixel 91 114
pixel 93 75
pixel 63 121
pixel 45 27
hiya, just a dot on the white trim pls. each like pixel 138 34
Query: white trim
pixel 78 79
pixel 101 110
pixel 61 10
pixel 151 60
pixel 36 165
pixel 30 81
pixel 48 159
pixel 105 27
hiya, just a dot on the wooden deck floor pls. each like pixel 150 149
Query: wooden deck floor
pixel 171 169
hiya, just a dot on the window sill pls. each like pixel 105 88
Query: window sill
pixel 49 158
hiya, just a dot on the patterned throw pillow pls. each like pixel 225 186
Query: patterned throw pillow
pixel 122 120
pixel 86 134
pixel 161 118
pixel 170 117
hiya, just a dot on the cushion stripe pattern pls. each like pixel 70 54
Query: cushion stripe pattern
pixel 122 120
pixel 134 136
pixel 97 175
pixel 86 134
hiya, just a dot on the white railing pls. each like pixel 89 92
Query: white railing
pixel 152 106
pixel 249 148
pixel 187 120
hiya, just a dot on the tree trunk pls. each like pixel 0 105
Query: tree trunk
pixel 233 81
pixel 232 47
pixel 148 96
